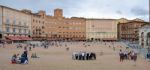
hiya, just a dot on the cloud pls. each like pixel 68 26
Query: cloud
pixel 119 12
pixel 138 11
pixel 86 8
pixel 111 9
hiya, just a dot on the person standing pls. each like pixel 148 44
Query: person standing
pixel 83 55
pixel 121 56
pixel 30 48
pixel 134 57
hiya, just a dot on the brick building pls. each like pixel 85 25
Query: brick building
pixel 61 28
pixel 129 30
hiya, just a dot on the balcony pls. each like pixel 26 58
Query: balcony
pixel 15 25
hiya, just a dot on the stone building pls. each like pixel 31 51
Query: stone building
pixel 23 25
pixel 122 20
pixel 14 24
pixel 129 30
pixel 144 36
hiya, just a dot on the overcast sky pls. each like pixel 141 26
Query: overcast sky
pixel 115 9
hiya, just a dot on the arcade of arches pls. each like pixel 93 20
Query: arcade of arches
pixel 144 37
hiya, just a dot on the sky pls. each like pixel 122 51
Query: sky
pixel 111 9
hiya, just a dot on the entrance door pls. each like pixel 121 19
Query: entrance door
pixel 0 36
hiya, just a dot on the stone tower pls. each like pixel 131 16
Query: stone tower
pixel 58 13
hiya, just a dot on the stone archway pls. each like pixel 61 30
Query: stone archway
pixel 148 39
pixel 142 39
pixel 92 39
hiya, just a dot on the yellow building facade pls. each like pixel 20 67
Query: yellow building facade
pixel 15 25
pixel 101 29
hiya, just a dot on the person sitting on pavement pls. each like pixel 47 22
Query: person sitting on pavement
pixel 13 59
pixel 24 58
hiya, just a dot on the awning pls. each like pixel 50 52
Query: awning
pixel 12 38
pixel 25 38
pixel 108 39
pixel 18 38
